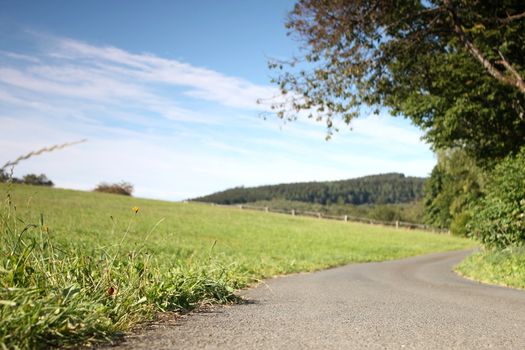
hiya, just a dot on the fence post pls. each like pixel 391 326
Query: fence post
pixel 293 212
pixel 240 206
pixel 397 224
pixel 266 209
pixel 346 218
pixel 319 215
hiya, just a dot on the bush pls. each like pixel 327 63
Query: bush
pixel 454 184
pixel 123 188
pixel 39 180
pixel 385 213
pixel 458 226
pixel 29 179
pixel 498 219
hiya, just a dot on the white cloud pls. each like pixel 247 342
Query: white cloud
pixel 203 83
pixel 111 76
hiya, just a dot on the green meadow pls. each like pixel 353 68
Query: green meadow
pixel 80 268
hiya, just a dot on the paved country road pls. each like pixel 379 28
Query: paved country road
pixel 416 303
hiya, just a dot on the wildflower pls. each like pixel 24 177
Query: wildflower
pixel 135 209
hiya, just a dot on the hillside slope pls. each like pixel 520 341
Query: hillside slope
pixel 90 265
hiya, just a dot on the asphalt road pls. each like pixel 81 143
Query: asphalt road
pixel 416 303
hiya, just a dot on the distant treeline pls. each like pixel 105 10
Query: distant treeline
pixel 375 189
pixel 29 179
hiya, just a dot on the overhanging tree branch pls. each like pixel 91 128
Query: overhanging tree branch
pixel 514 79
pixel 512 70
pixel 509 19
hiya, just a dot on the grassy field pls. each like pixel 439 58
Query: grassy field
pixel 82 267
pixel 504 267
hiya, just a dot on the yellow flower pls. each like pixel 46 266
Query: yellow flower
pixel 135 209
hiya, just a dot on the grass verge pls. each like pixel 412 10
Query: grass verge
pixel 503 267
pixel 78 268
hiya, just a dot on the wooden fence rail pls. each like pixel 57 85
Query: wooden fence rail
pixel 345 218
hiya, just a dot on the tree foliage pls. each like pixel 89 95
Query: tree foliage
pixel 454 184
pixel 499 218
pixel 453 67
pixel 40 180
pixel 375 189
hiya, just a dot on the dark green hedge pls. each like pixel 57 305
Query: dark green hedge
pixel 498 219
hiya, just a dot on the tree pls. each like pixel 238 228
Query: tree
pixel 455 68
pixel 454 185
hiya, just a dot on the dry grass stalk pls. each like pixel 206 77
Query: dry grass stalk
pixel 40 151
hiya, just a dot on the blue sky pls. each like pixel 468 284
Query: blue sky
pixel 165 92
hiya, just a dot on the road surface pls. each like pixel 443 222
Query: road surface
pixel 415 303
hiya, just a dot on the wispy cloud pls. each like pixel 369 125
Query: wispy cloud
pixel 203 83
pixel 18 56
pixel 71 69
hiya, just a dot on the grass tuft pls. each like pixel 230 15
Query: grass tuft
pixel 503 267
pixel 57 295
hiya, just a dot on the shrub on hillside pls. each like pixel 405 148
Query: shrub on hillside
pixel 123 188
pixel 29 179
pixel 385 213
pixel 498 219
pixel 39 180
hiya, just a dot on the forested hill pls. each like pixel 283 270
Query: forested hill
pixel 374 189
